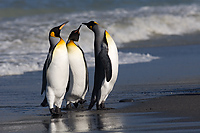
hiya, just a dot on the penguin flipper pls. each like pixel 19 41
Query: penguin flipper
pixel 46 66
pixel 106 61
pixel 44 80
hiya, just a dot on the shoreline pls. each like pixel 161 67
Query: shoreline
pixel 166 109
pixel 165 113
pixel 179 105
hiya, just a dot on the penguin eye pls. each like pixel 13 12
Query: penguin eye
pixel 52 34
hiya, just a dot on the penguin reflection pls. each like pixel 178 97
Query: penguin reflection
pixel 78 121
pixel 57 125
pixel 84 122
pixel 70 122
pixel 107 122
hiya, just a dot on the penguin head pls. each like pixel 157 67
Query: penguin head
pixel 74 35
pixel 55 32
pixel 91 25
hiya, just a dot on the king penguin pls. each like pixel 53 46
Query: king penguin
pixel 106 65
pixel 55 71
pixel 78 85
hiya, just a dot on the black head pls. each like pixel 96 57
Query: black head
pixel 91 24
pixel 55 32
pixel 75 34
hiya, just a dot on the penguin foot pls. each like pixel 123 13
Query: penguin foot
pixel 91 105
pixel 75 105
pixel 68 106
pixel 102 105
pixel 82 101
pixel 55 113
pixel 52 111
pixel 58 110
pixel 98 107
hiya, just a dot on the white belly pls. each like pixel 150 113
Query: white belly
pixel 113 54
pixel 77 76
pixel 58 72
pixel 107 87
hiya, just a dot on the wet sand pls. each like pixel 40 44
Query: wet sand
pixel 177 113
pixel 184 105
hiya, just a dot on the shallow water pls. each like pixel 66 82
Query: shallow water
pixel 110 122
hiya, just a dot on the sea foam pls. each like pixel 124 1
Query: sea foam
pixel 12 64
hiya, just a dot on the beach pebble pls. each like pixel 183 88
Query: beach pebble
pixel 126 100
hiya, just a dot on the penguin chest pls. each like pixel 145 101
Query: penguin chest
pixel 77 71
pixel 113 55
pixel 58 71
pixel 107 87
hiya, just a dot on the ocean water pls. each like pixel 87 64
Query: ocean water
pixel 25 25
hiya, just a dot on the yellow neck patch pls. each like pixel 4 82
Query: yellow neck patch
pixel 71 46
pixel 61 43
pixel 107 34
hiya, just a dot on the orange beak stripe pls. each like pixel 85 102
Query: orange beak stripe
pixel 61 26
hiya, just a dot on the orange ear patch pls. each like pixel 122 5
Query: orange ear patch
pixel 52 34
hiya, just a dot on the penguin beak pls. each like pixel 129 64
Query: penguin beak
pixel 79 28
pixel 62 25
pixel 85 23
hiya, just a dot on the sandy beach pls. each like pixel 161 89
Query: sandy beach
pixel 165 97
pixel 176 113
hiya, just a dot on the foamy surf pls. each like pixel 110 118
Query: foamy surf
pixel 18 64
